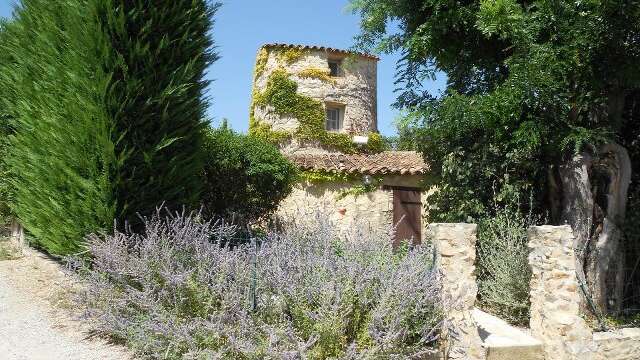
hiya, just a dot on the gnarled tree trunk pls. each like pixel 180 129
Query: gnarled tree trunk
pixel 592 194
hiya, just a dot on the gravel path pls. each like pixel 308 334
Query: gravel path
pixel 36 320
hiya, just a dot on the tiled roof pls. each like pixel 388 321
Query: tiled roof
pixel 387 162
pixel 320 48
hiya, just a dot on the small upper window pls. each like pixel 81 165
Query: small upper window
pixel 334 119
pixel 334 68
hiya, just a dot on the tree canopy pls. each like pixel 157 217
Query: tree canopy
pixel 541 112
pixel 529 82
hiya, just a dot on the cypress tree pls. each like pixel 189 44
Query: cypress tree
pixel 160 52
pixel 5 130
pixel 106 105
pixel 60 151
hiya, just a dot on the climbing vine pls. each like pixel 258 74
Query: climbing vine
pixel 361 189
pixel 317 73
pixel 291 55
pixel 261 63
pixel 281 94
pixel 323 176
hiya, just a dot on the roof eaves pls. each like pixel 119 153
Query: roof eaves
pixel 320 48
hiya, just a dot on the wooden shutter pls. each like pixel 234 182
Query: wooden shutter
pixel 407 215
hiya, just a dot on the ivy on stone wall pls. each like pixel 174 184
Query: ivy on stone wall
pixel 281 94
pixel 291 55
pixel 317 73
pixel 261 63
pixel 361 189
pixel 357 189
pixel 323 176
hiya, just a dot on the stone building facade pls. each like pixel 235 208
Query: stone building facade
pixel 319 105
pixel 344 83
pixel 394 199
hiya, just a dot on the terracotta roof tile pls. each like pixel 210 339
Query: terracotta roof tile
pixel 320 48
pixel 387 162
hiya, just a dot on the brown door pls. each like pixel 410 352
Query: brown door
pixel 407 215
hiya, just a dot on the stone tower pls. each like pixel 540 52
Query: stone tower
pixel 315 99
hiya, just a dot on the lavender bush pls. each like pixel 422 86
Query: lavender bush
pixel 308 291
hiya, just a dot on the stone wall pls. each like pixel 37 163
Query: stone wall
pixel 373 209
pixel 555 298
pixel 355 89
pixel 556 301
pixel 456 248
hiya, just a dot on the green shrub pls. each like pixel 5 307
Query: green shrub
pixel 104 100
pixel 5 130
pixel 503 269
pixel 243 175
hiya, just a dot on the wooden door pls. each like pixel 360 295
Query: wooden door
pixel 407 215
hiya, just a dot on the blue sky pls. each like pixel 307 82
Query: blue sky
pixel 242 26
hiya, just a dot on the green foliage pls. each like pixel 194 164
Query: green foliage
pixel 503 268
pixel 528 84
pixel 5 130
pixel 156 100
pixel 499 17
pixel 61 156
pixel 243 176
pixel 355 189
pixel 323 176
pixel 291 55
pixel 261 63
pixel 361 189
pixel 281 94
pixel 317 73
pixel 103 102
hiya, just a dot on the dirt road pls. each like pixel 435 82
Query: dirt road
pixel 37 319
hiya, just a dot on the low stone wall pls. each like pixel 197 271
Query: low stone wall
pixel 618 344
pixel 556 304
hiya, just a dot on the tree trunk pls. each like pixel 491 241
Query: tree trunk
pixel 593 200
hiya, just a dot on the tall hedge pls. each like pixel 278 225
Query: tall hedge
pixel 5 130
pixel 105 104
pixel 61 154
pixel 161 50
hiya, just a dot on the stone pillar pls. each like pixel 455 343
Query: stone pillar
pixel 555 294
pixel 456 254
pixel 16 245
pixel 17 233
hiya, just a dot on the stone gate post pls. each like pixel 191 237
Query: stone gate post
pixel 456 254
pixel 555 294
